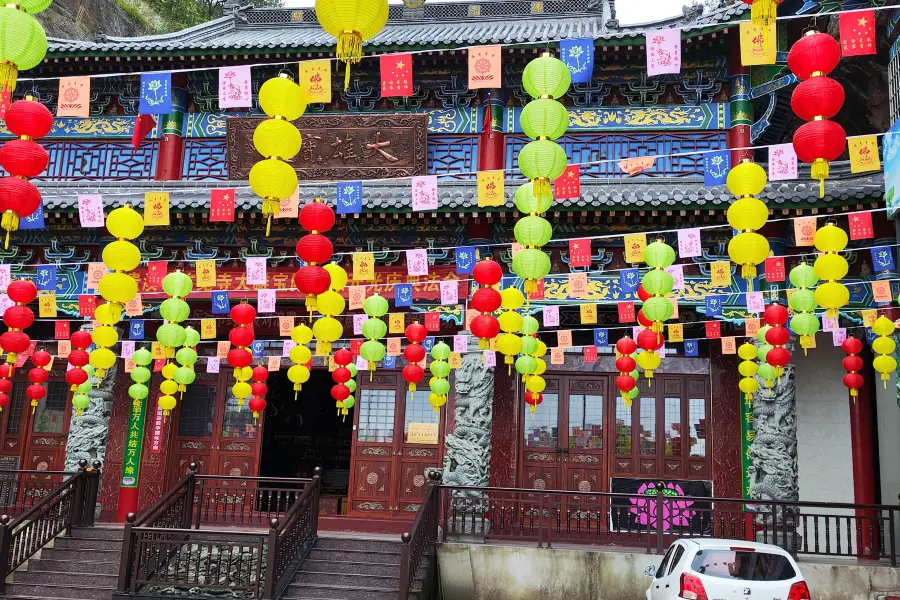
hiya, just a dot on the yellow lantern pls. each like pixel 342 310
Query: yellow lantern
pixel 884 345
pixel 167 403
pixel 352 22
pixel 649 362
pixel 747 215
pixel 831 267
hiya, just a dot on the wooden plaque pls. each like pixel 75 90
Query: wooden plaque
pixel 341 147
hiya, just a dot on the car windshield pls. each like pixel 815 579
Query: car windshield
pixel 743 565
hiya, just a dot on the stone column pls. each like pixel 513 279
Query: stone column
pixel 468 448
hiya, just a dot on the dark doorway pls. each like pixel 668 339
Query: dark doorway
pixel 300 435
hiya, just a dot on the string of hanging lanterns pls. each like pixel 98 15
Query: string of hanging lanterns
pixel 852 364
pixel 511 322
pixel 352 23
pixel 802 301
pixel 315 250
pixel 414 353
pixel 777 336
pixel 298 373
pixel 78 374
pixel 486 300
pixel 831 267
pixel 440 370
pixel 373 329
pixel 240 357
pixel 884 345
pixel 748 369
pixel 747 215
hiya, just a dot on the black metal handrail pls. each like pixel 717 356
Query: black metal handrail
pixel 651 521
pixel 71 504
pixel 166 545
pixel 420 540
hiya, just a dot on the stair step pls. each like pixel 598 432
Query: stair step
pixel 98 533
pixel 347 579
pixel 348 567
pixel 76 566
pixel 45 590
pixel 339 592
pixel 339 543
pixel 36 573
pixel 87 543
pixel 103 554
pixel 355 556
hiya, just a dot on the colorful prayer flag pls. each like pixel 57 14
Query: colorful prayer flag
pixel 484 67
pixel 629 281
pixel 156 208
pixel 729 345
pixel 87 304
pixel 234 87
pixel 578 285
pixel 221 305
pixel 47 305
pixel 804 231
pixel 315 81
pixel 490 188
pixel 136 329
pixel 861 226
pixel 864 154
pixel 265 301
pixel 396 323
pixel 691 348
pixel 363 266
pixel 580 253
pixel 465 260
pixel 90 210
pixel 663 51
pixel 590 354
pixel 588 314
pixel 417 262
pixel 289 208
pixel 568 185
pixel 207 329
pixel 206 273
pixel 424 193
pixel 713 330
pixel 782 162
pixel 221 206
pixel 715 167
pixel 751 326
pixel 689 244
pixel 601 337
pixel 403 295
pixel 676 332
pixel 156 94
pixel 551 316
pixel 432 321
pixel 74 97
pixel 256 270
pixel 564 339
pixel 714 305
pixel 758 43
pixel 636 165
pixel 578 56
pixel 720 272
pixel 61 330
pixel 35 220
pixel 396 75
pixel 349 197
pixel 449 292
pixel 775 269
pixel 45 279
pixel 634 247
pixel 626 312
pixel 881 291
pixel 882 258
pixel 857 32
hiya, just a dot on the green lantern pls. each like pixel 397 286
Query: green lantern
pixel 142 357
pixel 762 351
pixel 85 387
pixel 546 76
pixel 23 44
pixel 761 334
pixel 80 402
pixel 140 374
pixel 531 265
pixel 439 386
pixel 766 372
pixel 374 329
pixel 803 300
pixel 533 231
pixel 803 276
pixel 138 391
pixel 658 309
pixel 186 356
pixel 529 345
pixel 530 204
pixel 171 335
pixel 184 376
pixel 174 309
pixel 373 351
pixel 375 306
pixel 440 351
pixel 530 326
pixel 526 365
pixel 659 255
pixel 658 283
pixel 439 368
pixel 544 118
pixel 542 161
pixel 805 324
pixel 192 337
pixel 351 385
pixel 177 284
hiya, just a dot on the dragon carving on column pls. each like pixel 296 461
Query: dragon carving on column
pixel 468 457
pixel 89 432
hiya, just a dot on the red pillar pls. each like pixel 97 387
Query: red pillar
pixel 863 453
pixel 492 142
pixel 171 142
pixel 741 107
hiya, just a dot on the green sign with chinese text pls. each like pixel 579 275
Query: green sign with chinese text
pixel 131 465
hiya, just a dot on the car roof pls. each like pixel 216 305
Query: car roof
pixel 723 544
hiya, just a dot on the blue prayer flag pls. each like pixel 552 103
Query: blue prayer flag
pixel 389 362
pixel 220 303
pixel 714 306
pixel 465 260
pixel 715 167
pixel 601 337
pixel 156 94
pixel 349 197
pixel 258 348
pixel 403 294
pixel 428 344
pixel 882 258
pixel 578 56
pixel 46 278
pixel 136 332
pixel 870 336
pixel 35 220
pixel 629 280
pixel 691 348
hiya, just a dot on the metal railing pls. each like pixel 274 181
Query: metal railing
pixel 70 504
pixel 418 544
pixel 170 545
pixel 652 521
pixel 20 490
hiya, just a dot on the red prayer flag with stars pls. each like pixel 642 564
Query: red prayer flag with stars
pixel 568 185
pixel 5 101
pixel 590 354
pixel 396 75
pixel 538 293
pixel 156 270
pixel 858 32
pixel 579 253
pixel 221 206
pixel 775 269
pixel 432 321
pixel 86 305
pixel 61 330
pixel 355 345
pixel 861 226
pixel 626 312
pixel 713 330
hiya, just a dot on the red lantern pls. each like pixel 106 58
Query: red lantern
pixel 414 353
pixel 260 373
pixel 312 280
pixel 815 54
pixel 778 358
pixel 642 293
pixel 35 392
pixel 485 327
pixel 259 389
pixel 80 339
pixel 853 381
pixel 257 405
pixel 626 346
pixel 18 317
pixel 340 392
pixel 314 249
pixel 22 291
pixel 341 375
pixel 852 364
pixel 413 374
pixel 243 313
pixel 241 336
pixel 41 358
pixel 625 364
pixel 343 357
pixel 487 272
pixel 5 386
pixel 38 375
pixel 239 358
pixel 777 336
pixel 625 383
pixel 4 401
pixel 649 340
pixel 14 342
pixel 23 158
pixel 76 377
pixel 28 118
pixel 6 370
pixel 18 196
pixel 775 314
pixel 819 96
pixel 416 333
pixel 533 400
pixel 644 321
pixel 316 217
pixel 486 300
pixel 78 358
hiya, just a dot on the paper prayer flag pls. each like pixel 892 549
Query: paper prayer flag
pixel 356 295
pixel 716 166
pixel 465 260
pixel 86 305
pixel 273 363
pixel 861 226
pixel 396 75
pixel 758 43
pixel 156 94
pixel 256 270
pixel 775 269
pixel 63 348
pixel 804 231
pixel 90 210
pixel 156 208
pixel 206 273
pixel 136 329
pixel 489 358
pixel 828 323
pixel 5 303
pixel 601 337
pixel 490 188
pixel 751 327
pixel 578 56
pixel 881 291
pixel 315 81
pixel 403 295
pixel 221 206
pixel 157 350
pixel 568 185
pixel 47 305
pixel 212 364
pixel 95 273
pixel 635 245
pixel 755 302
pixel 417 262
pixel 61 330
pixel 221 305
pixel 557 356
pixel 285 325
pixel 674 301
pixel 629 281
pixel 471 313
pixel 863 152
pixel 691 348
pixel 222 349
pixel 663 51
pixel 460 343
pixel 636 165
pixel 287 346
pixel 578 285
pixel 588 314
pixel 783 164
pixel 289 208
pixel 127 349
pixel 364 266
pixel 455 360
pixel 484 67
pixel 551 316
pixel 134 307
pixel 729 345
pixel 432 321
pixel 882 258
pixel 720 273
pixel 626 312
pixel 424 193
pixel 564 339
pixel 396 323
pixel 869 317
pixel 676 332
pixel 677 273
pixel 838 336
pixel 393 346
pixel 689 245
pixel 857 32
pixel 590 354
pixel 265 301
pixel 713 330
pixel 349 197
pixel 234 87
pixel 74 97
pixel 449 292
pixel 358 321
pixel 580 253
pixel 130 365
pixel 207 329
pixel 5 276
pixel 156 270
pixel 355 345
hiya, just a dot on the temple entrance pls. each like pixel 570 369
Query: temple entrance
pixel 306 433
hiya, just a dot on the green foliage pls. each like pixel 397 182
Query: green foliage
pixel 135 14
pixel 181 14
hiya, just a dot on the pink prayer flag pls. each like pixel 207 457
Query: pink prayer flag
pixel 689 244
pixel 460 343
pixel 677 273
pixel 212 364
pixel 838 335
pixel 551 316
pixel 5 303
pixel 234 87
pixel 417 262
pixel 490 358
pixel 256 270
pixel 661 351
pixel 5 277
pixel 127 348
pixel 829 325
pixel 287 347
pixel 289 208
pixel 265 301
pixel 362 364
pixel 449 292
pixel 424 193
pixel 663 51
pixel 782 162
pixel 358 321
pixel 90 210
pixel 755 302
pixel 484 67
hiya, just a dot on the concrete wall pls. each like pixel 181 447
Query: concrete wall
pixel 888 423
pixel 482 572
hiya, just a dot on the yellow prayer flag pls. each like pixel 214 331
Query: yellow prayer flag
pixel 588 313
pixel 676 332
pixel 157 350
pixel 758 44
pixel 490 188
pixel 396 323
pixel 206 273
pixel 156 208
pixel 720 272
pixel 455 360
pixel 332 366
pixel 207 329
pixel 363 266
pixel 869 317
pixel 634 247
pixel 864 154
pixel 47 304
pixel 315 80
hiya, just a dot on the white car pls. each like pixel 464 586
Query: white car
pixel 712 569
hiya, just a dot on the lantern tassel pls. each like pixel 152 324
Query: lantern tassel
pixel 748 272
pixel 9 222
pixel 763 11
pixel 819 170
pixel 349 50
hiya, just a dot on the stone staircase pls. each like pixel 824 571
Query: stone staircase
pixel 351 568
pixel 82 567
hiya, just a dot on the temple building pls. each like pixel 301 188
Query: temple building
pixel 802 439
